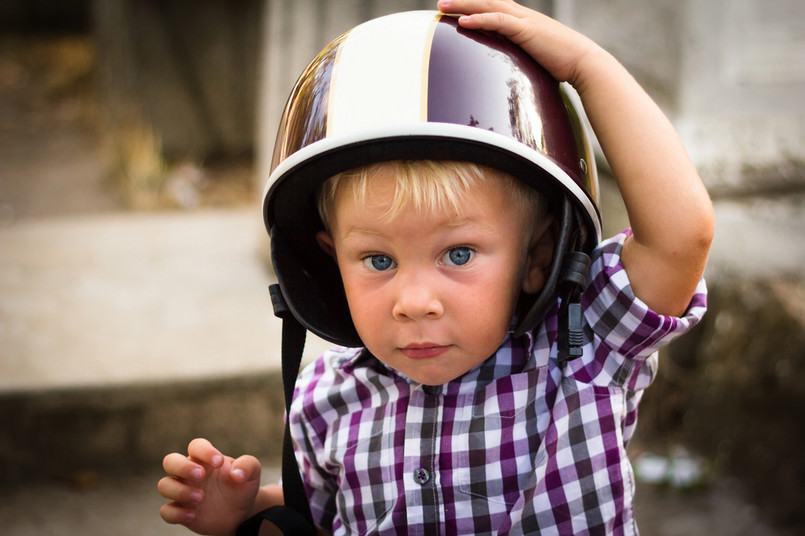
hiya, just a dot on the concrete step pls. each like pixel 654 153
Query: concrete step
pixel 123 336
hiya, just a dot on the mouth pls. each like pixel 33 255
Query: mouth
pixel 423 350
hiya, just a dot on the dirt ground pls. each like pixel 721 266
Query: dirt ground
pixel 55 161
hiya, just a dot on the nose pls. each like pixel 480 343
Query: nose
pixel 417 297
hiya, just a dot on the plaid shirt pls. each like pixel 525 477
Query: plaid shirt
pixel 518 445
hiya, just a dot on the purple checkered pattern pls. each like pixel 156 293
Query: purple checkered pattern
pixel 519 445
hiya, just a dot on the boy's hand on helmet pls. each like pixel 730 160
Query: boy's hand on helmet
pixel 210 493
pixel 553 45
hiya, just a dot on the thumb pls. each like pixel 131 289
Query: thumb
pixel 245 469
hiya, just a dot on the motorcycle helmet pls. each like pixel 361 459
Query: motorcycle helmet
pixel 416 85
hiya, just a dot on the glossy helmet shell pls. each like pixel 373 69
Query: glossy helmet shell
pixel 408 86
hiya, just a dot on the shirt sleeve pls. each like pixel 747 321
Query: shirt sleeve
pixel 625 332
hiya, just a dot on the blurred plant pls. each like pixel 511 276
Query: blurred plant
pixel 137 151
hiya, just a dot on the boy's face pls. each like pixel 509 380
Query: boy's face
pixel 431 294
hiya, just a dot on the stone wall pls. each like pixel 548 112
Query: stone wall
pixel 119 430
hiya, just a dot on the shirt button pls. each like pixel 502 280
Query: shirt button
pixel 431 390
pixel 421 476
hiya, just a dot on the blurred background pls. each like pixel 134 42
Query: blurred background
pixel 134 314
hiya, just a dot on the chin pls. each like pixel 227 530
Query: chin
pixel 433 377
pixel 436 371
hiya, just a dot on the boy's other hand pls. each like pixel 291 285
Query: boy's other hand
pixel 210 493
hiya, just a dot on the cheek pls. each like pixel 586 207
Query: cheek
pixel 502 282
pixel 365 302
pixel 489 304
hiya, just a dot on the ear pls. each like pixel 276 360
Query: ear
pixel 326 243
pixel 539 256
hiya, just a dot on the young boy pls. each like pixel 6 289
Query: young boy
pixel 449 418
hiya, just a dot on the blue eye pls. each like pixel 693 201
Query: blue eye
pixel 458 256
pixel 379 263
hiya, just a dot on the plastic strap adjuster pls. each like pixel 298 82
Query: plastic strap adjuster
pixel 278 302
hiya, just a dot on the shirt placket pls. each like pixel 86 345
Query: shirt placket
pixel 423 496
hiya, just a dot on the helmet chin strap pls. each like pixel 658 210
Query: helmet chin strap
pixel 294 517
pixel 567 274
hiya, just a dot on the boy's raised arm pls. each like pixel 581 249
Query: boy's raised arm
pixel 668 206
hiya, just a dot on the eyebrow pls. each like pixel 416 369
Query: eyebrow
pixel 447 225
pixel 360 230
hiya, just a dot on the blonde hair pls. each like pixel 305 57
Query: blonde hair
pixel 428 185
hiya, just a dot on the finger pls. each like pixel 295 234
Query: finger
pixel 504 17
pixel 246 468
pixel 468 7
pixel 203 451
pixel 179 492
pixel 182 467
pixel 175 514
pixel 503 23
